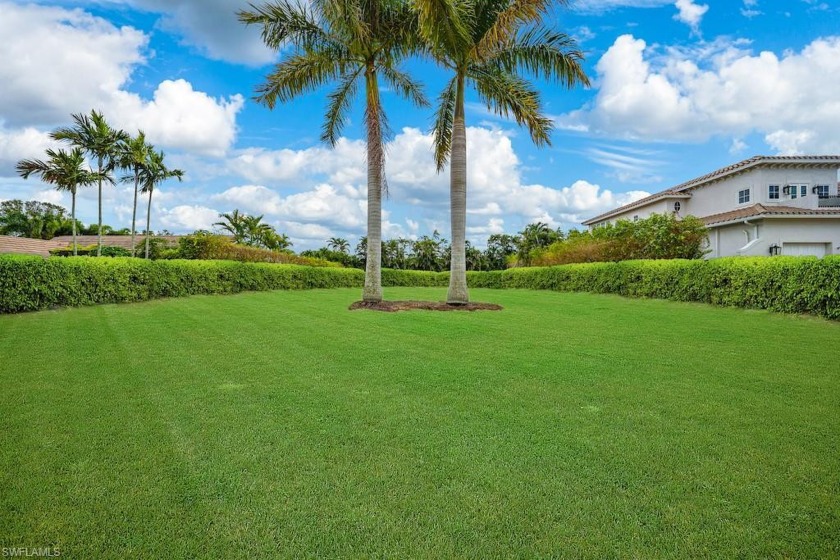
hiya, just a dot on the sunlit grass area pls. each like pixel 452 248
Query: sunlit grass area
pixel 282 424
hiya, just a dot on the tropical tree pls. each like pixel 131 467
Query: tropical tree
pixel 95 136
pixel 234 224
pixel 486 44
pixel 66 171
pixel 338 244
pixel 151 175
pixel 134 154
pixel 352 42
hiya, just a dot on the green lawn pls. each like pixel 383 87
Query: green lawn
pixel 281 424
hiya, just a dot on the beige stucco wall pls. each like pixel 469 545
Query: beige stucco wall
pixel 730 239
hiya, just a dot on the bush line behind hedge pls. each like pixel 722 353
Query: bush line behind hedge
pixel 786 284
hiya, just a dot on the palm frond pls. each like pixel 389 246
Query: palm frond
pixel 285 22
pixel 505 19
pixel 404 85
pixel 340 101
pixel 509 95
pixel 301 73
pixel 444 120
pixel 445 24
pixel 543 53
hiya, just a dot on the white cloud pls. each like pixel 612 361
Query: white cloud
pixel 690 13
pixel 718 89
pixel 181 117
pixel 343 164
pixel 55 62
pixel 20 144
pixel 185 217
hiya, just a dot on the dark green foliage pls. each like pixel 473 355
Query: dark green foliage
pixel 34 219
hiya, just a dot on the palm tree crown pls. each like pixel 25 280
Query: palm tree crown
pixel 66 170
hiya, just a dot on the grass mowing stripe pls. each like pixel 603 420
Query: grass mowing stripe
pixel 282 424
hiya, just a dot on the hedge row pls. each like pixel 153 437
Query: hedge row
pixel 31 283
pixel 786 284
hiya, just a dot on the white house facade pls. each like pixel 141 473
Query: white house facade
pixel 765 205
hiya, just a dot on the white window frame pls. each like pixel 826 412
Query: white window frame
pixel 770 193
pixel 743 196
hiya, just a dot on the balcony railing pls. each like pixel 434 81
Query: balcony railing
pixel 829 202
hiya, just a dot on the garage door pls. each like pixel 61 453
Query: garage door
pixel 802 249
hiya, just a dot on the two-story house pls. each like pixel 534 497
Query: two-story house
pixel 765 205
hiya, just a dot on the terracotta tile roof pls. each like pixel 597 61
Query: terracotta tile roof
pixel 123 241
pixel 734 169
pixel 26 246
pixel 760 210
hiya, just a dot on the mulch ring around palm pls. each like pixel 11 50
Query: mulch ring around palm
pixel 392 306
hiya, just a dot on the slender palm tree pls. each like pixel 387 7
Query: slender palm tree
pixel 134 155
pixel 486 44
pixel 151 175
pixel 67 171
pixel 352 42
pixel 95 136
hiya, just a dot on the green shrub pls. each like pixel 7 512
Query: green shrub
pixel 32 283
pixel 218 247
pixel 90 251
pixel 786 284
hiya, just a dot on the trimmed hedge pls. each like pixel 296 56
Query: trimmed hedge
pixel 786 284
pixel 32 283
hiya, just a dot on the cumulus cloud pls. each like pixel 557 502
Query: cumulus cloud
pixel 185 217
pixel 55 61
pixel 181 117
pixel 690 13
pixel 718 89
pixel 21 144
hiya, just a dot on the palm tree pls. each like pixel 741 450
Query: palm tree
pixel 152 174
pixel 133 155
pixel 485 43
pixel 351 42
pixel 338 244
pixel 96 137
pixel 234 223
pixel 65 170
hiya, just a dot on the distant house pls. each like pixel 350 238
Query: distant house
pixel 788 205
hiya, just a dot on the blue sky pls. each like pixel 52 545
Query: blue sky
pixel 680 88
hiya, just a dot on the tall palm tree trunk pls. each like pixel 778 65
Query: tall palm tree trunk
pixel 457 293
pixel 148 223
pixel 373 266
pixel 73 217
pixel 134 211
pixel 99 230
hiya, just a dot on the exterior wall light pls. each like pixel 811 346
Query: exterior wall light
pixel 775 250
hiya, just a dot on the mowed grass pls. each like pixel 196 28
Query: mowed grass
pixel 282 425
